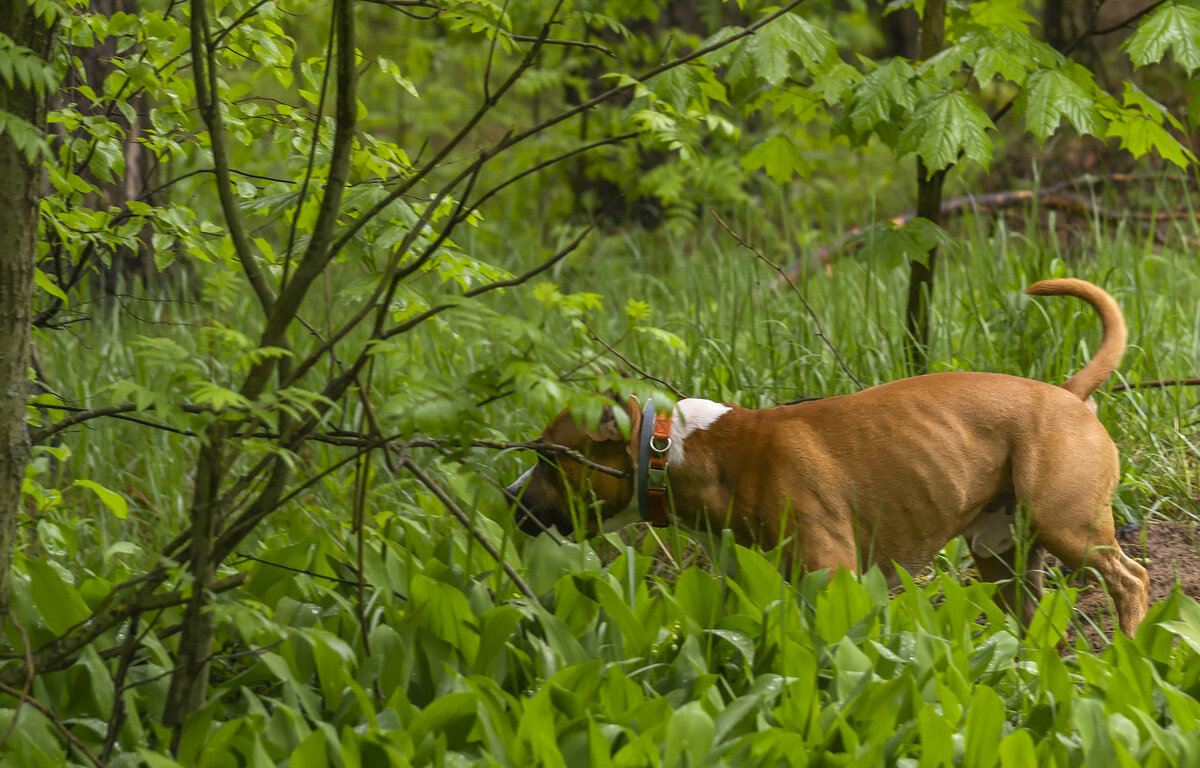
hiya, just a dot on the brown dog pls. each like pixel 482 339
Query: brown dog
pixel 887 475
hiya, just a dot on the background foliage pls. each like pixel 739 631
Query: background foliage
pixel 308 270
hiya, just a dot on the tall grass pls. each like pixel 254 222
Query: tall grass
pixel 745 338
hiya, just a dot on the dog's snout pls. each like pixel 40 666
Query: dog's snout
pixel 532 513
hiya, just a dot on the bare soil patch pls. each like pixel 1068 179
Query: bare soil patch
pixel 1171 553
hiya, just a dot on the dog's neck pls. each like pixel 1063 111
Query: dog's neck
pixel 691 415
pixel 688 418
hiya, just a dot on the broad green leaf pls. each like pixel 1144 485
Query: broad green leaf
pixel 59 603
pixel 991 61
pixel 1088 718
pixel 811 44
pixel 690 732
pixel 1175 27
pixel 1016 750
pixel 43 281
pixel 115 502
pixel 1141 134
pixel 883 95
pixel 769 49
pixel 936 733
pixel 779 156
pixel 676 87
pixel 943 127
pixel 1051 95
pixel 985 725
pixel 157 760
pixel 1002 13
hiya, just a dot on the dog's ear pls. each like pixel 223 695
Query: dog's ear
pixel 634 410
pixel 609 427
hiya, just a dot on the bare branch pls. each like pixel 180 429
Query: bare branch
pixel 59 652
pixel 465 520
pixel 53 718
pixel 318 253
pixel 513 139
pixel 816 320
pixel 1155 384
pixel 568 43
pixel 416 320
pixel 205 74
pixel 612 350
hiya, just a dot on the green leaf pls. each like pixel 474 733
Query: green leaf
pixel 157 760
pixel 1051 95
pixel 883 95
pixel 1002 13
pixel 1140 134
pixel 59 603
pixel 676 87
pixel 769 52
pixel 944 126
pixel 811 44
pixel 27 137
pixel 1016 750
pixel 115 502
pixel 1174 27
pixel 691 732
pixel 985 725
pixel 218 397
pixel 937 742
pixel 43 281
pixel 779 156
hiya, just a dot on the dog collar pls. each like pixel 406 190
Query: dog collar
pixel 654 441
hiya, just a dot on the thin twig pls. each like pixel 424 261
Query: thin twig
pixel 816 320
pixel 53 718
pixel 545 265
pixel 465 520
pixel 117 720
pixel 313 574
pixel 570 43
pixel 16 715
pixel 513 139
pixel 630 363
pixel 1155 384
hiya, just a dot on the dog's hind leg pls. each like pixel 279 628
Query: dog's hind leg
pixel 1068 486
pixel 1018 577
pixel 1094 550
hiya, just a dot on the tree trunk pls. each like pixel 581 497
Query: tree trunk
pixel 189 681
pixel 929 206
pixel 920 280
pixel 901 29
pixel 20 192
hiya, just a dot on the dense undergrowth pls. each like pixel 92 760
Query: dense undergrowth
pixel 629 655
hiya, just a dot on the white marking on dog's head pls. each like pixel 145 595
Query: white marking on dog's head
pixel 518 485
pixel 691 415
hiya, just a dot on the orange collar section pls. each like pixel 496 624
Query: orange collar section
pixel 660 443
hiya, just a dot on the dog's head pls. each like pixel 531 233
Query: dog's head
pixel 542 497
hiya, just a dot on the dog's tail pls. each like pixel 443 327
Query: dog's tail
pixel 1112 346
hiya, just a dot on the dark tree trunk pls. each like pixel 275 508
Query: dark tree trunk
pixel 20 193
pixel 97 64
pixel 901 29
pixel 1060 20
pixel 929 206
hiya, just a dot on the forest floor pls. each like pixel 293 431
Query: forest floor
pixel 1171 553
